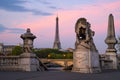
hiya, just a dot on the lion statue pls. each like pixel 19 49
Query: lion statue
pixel 83 32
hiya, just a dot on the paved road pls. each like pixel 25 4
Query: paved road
pixel 59 75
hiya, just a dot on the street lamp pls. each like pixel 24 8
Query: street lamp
pixel 49 55
pixel 64 56
pixel 65 63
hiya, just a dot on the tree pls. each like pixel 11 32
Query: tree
pixel 17 50
pixel 53 54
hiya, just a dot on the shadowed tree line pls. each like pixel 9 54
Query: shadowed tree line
pixel 53 54
pixel 46 53
pixel 17 50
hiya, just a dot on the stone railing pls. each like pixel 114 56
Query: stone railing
pixel 9 63
pixel 13 63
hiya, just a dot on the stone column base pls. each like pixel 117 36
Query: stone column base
pixel 113 57
pixel 28 62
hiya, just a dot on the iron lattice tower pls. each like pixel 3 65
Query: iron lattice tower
pixel 57 44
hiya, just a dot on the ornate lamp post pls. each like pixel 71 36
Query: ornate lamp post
pixel 28 59
pixel 28 38
pixel 65 63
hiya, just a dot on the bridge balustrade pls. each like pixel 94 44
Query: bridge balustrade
pixel 9 63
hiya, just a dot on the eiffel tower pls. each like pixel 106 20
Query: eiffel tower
pixel 57 44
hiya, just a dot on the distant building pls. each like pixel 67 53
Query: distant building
pixel 6 49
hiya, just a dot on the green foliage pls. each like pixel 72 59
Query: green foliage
pixel 53 54
pixel 17 50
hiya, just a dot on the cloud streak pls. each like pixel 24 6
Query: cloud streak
pixel 2 28
pixel 10 30
pixel 16 6
pixel 44 2
pixel 41 13
pixel 12 5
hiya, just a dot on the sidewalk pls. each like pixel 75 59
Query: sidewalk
pixel 52 75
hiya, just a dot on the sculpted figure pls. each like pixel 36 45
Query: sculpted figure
pixel 85 55
pixel 28 46
pixel 83 32
pixel 27 49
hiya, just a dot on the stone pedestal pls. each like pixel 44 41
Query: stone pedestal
pixel 29 62
pixel 113 57
pixel 85 60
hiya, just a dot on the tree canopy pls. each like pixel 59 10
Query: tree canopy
pixel 17 50
pixel 53 54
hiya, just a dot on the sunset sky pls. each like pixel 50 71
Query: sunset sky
pixel 39 15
